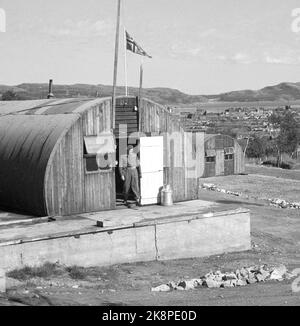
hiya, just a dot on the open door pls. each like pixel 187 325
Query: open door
pixel 152 167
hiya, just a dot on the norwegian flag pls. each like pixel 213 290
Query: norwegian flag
pixel 134 47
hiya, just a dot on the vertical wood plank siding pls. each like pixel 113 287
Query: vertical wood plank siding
pixel 65 186
pixel 99 188
pixel 177 168
pixel 221 167
pixel 210 167
pixel 70 189
pixel 239 159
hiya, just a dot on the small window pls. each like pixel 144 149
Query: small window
pixel 91 163
pixel 210 159
pixel 210 156
pixel 229 150
pixel 228 157
pixel 99 153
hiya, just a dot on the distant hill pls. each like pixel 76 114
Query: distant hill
pixel 165 96
pixel 281 92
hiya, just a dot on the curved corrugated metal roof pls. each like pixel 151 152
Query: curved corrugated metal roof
pixel 7 107
pixel 47 107
pixel 26 143
pixel 29 131
pixel 209 136
pixel 50 107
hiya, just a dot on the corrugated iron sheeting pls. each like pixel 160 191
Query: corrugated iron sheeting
pixel 7 107
pixel 26 143
pixel 44 107
pixel 59 107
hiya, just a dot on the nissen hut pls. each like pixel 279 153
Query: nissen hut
pixel 223 156
pixel 60 157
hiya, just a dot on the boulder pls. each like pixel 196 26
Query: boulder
pixel 229 276
pixel 162 288
pixel 194 284
pixel 278 273
pixel 211 284
pixel 244 273
pixel 241 282
pixel 229 284
pixel 251 279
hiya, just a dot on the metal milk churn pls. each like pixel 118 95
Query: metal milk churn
pixel 167 196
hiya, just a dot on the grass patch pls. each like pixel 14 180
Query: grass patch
pixel 287 163
pixel 48 271
pixel 26 273
pixel 77 273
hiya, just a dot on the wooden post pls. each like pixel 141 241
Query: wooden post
pixel 125 63
pixel 116 64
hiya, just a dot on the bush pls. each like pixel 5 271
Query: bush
pixel 26 273
pixel 10 96
pixel 255 148
pixel 76 273
pixel 287 163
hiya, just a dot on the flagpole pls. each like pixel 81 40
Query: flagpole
pixel 125 63
pixel 141 83
pixel 116 63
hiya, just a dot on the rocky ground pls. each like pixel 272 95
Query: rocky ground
pixel 275 241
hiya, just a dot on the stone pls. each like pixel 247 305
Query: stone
pixel 264 273
pixel 219 278
pixel 162 288
pixel 253 269
pixel 251 279
pixel 278 273
pixel 244 273
pixel 241 277
pixel 229 284
pixel 229 276
pixel 288 276
pixel 172 285
pixel 238 274
pixel 182 284
pixel 241 282
pixel 198 283
pixel 193 284
pixel 180 288
pixel 260 278
pixel 211 284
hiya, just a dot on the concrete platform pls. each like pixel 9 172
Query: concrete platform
pixel 186 230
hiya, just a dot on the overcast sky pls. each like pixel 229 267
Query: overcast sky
pixel 198 46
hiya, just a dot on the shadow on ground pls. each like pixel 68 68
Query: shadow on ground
pixel 232 202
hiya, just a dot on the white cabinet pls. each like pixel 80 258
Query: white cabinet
pixel 152 167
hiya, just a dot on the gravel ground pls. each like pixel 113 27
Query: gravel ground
pixel 259 186
pixel 273 172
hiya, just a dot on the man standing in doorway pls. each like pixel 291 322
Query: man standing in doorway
pixel 130 171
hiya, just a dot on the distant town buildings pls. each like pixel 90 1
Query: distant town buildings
pixel 239 121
